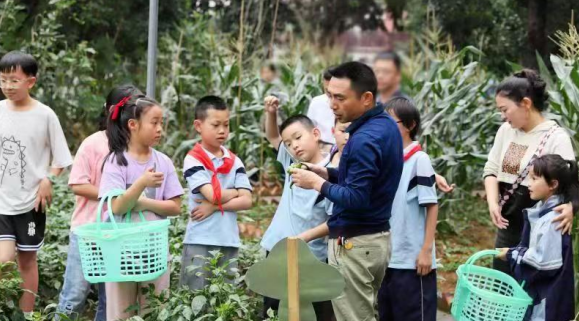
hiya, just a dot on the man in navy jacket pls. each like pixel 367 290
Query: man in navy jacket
pixel 362 190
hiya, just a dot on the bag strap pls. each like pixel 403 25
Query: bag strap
pixel 538 152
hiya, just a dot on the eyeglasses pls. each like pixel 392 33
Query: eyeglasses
pixel 12 83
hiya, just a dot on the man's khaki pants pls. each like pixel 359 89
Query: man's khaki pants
pixel 363 267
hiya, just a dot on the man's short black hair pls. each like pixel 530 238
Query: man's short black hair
pixel 206 103
pixel 302 119
pixel 17 59
pixel 327 74
pixel 361 76
pixel 392 56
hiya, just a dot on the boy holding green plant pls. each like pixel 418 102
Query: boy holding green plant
pixel 297 140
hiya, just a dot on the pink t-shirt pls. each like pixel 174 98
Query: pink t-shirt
pixel 86 169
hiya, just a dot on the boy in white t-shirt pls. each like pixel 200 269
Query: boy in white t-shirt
pixel 33 151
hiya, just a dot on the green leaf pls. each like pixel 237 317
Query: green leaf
pixel 515 66
pixel 188 312
pixel 213 288
pixel 164 315
pixel 197 304
pixel 543 70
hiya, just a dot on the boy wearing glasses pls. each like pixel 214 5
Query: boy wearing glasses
pixel 33 150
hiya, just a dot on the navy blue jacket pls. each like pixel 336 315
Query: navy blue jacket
pixel 364 186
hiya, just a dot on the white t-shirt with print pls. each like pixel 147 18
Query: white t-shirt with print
pixel 31 142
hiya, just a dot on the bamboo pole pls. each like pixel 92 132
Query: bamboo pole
pixel 293 284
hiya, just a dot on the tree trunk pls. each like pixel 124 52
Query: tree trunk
pixel 536 31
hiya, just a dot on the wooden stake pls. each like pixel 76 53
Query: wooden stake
pixel 293 284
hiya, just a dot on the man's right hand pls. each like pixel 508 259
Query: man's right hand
pixel 271 104
pixel 320 170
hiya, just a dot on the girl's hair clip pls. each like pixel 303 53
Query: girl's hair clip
pixel 117 107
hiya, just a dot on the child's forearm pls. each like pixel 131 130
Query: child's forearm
pixel 226 194
pixel 271 129
pixel 315 233
pixel 431 220
pixel 241 203
pixel 86 190
pixel 56 171
pixel 171 207
pixel 127 201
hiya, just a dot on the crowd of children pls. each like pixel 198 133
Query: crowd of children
pixel 121 155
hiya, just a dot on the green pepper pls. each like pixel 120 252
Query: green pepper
pixel 295 166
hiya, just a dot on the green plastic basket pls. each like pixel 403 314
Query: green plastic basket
pixel 123 252
pixel 484 294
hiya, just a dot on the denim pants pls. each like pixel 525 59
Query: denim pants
pixel 76 289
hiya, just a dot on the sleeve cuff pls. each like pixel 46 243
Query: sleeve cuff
pixel 333 175
pixel 326 189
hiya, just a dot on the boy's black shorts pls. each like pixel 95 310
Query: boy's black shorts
pixel 27 230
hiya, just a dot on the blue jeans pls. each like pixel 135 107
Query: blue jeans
pixel 76 289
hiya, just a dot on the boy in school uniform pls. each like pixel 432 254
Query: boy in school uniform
pixel 297 140
pixel 408 291
pixel 30 137
pixel 218 188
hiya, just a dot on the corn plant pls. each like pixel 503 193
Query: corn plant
pixel 564 100
pixel 454 96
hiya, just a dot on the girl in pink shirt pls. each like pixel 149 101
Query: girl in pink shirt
pixel 84 180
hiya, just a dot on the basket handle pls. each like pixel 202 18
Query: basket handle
pixel 108 197
pixel 481 254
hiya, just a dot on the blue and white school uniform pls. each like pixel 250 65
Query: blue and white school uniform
pixel 544 261
pixel 405 295
pixel 299 210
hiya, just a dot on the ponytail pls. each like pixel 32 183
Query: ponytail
pixel 525 83
pixel 113 98
pixel 118 133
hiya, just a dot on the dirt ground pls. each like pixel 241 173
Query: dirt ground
pixel 454 250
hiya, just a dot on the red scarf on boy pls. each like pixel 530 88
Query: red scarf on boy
pixel 417 148
pixel 198 153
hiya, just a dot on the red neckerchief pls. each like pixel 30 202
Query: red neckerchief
pixel 417 148
pixel 198 153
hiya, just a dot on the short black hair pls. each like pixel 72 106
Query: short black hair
pixel 408 114
pixel 525 83
pixel 392 56
pixel 327 74
pixel 18 59
pixel 206 103
pixel 302 119
pixel 362 77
